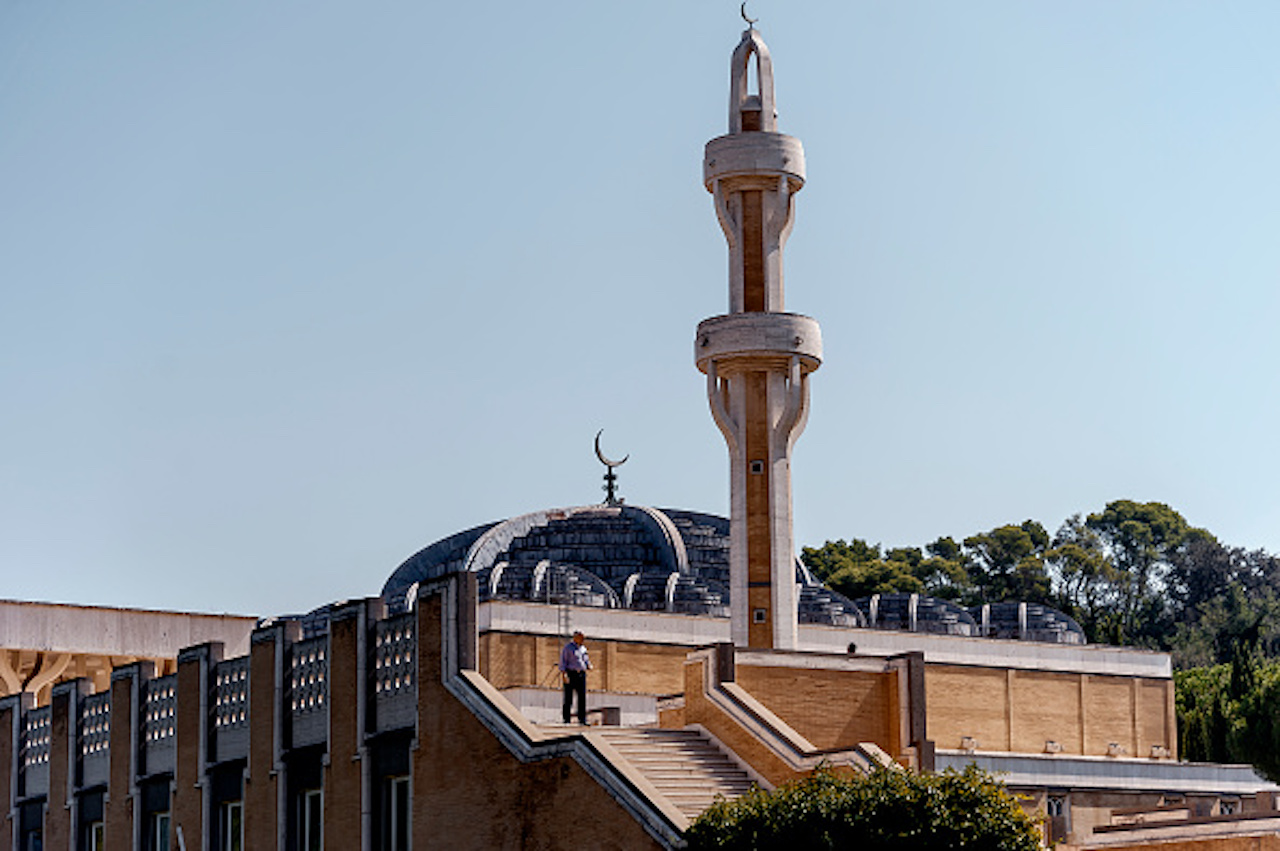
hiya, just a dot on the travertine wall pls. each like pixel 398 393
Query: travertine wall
pixel 1020 711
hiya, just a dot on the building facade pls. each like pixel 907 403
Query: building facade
pixel 428 716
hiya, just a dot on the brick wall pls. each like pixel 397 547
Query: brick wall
pixel 57 814
pixel 832 709
pixel 508 659
pixel 698 710
pixel 342 781
pixel 192 744
pixel 118 804
pixel 261 799
pixel 475 794
pixel 10 712
pixel 1020 711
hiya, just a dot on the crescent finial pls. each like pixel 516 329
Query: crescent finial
pixel 605 461
pixel 751 22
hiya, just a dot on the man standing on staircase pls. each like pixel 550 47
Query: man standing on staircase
pixel 574 664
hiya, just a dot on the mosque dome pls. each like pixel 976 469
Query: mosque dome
pixel 669 560
pixel 606 556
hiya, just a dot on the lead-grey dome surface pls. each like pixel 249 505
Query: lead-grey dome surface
pixel 632 557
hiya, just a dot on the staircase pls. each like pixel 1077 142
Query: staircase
pixel 683 764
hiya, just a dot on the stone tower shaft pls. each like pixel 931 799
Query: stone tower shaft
pixel 757 357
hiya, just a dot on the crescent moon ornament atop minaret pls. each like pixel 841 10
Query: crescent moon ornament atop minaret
pixel 610 478
pixel 751 22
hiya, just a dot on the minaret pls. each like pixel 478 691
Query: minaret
pixel 757 357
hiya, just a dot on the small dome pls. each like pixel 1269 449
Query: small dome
pixel 819 604
pixel 1027 622
pixel 546 582
pixel 917 613
pixel 675 592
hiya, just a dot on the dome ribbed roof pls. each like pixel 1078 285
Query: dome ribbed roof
pixel 1027 622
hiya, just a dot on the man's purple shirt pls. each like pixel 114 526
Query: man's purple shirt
pixel 574 657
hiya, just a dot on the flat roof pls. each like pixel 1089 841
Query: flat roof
pixel 110 631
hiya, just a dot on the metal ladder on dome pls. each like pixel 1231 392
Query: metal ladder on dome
pixel 558 592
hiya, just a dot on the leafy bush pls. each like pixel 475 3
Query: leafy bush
pixel 888 810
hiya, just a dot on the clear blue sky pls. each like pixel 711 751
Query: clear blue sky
pixel 289 290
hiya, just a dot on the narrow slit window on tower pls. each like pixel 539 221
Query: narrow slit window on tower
pixel 752 104
pixel 757 468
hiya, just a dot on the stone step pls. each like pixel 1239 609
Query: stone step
pixel 678 774
pixel 683 765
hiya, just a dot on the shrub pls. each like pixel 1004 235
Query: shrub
pixel 888 810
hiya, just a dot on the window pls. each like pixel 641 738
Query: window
pixel 30 826
pixel 396 811
pixel 1058 810
pixel 232 826
pixel 311 820
pixel 95 836
pixel 158 832
pixel 1227 808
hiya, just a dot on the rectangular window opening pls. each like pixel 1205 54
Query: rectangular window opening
pixel 311 820
pixel 397 809
pixel 232 826
pixel 158 834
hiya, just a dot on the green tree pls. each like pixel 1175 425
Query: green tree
pixel 888 810
pixel 858 569
pixel 1008 563
pixel 1139 539
pixel 1226 713
pixel 1084 580
pixel 834 556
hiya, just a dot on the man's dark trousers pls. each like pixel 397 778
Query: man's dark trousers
pixel 575 684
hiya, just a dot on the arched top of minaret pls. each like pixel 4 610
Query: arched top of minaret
pixel 751 111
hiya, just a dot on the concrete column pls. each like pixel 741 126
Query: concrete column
pixel 192 791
